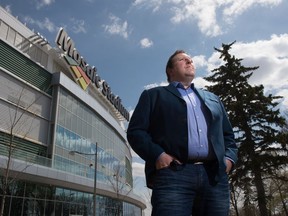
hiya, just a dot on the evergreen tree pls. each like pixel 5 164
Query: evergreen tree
pixel 257 124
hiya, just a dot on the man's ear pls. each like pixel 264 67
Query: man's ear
pixel 169 72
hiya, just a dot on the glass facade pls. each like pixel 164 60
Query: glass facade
pixel 69 142
pixel 79 129
pixel 32 199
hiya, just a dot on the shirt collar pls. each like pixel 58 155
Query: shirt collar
pixel 179 85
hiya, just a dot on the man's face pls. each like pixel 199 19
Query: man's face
pixel 183 69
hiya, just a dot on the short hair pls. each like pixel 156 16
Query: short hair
pixel 170 62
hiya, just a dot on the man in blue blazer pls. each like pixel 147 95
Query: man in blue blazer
pixel 187 142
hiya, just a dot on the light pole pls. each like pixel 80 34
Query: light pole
pixel 95 174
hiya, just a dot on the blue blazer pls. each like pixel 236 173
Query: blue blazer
pixel 159 124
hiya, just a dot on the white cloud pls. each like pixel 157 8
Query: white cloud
pixel 200 82
pixel 154 4
pixel 146 43
pixel 271 57
pixel 199 61
pixel 152 85
pixel 236 8
pixel 8 9
pixel 137 164
pixel 206 13
pixel 45 24
pixel 78 26
pixel 138 169
pixel 43 3
pixel 117 27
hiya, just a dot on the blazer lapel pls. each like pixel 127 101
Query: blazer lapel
pixel 200 93
pixel 171 88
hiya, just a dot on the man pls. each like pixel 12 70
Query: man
pixel 187 142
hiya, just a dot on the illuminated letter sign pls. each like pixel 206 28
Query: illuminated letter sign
pixel 85 73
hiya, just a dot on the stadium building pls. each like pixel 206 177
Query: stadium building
pixel 61 127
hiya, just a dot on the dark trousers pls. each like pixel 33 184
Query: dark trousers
pixel 188 190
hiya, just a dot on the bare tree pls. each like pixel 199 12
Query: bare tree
pixel 19 125
pixel 120 186
pixel 278 194
pixel 235 197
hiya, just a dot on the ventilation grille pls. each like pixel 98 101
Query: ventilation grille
pixel 24 68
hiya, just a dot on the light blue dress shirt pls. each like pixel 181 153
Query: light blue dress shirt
pixel 198 146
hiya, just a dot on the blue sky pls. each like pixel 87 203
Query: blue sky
pixel 130 41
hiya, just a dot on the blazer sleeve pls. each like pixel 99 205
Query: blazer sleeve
pixel 138 130
pixel 231 149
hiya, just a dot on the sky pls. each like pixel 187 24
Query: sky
pixel 130 41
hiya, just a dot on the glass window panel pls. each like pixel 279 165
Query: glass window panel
pixel 79 126
pixel 59 136
pixel 89 131
pixel 74 123
pixel 79 111
pixel 68 119
pixel 71 167
pixel 74 106
pixel 85 114
pixel 80 196
pixel 11 35
pixel 15 202
pixel 78 143
pixel 38 54
pixel 63 97
pixel 68 104
pixel 18 40
pixel 66 138
pixel 73 141
pixel 44 59
pixel 31 51
pixel 57 162
pixel 58 193
pixel 3 30
pixel 49 207
pixel 94 134
pixel 58 209
pixel 84 146
pixel 83 131
pixel 61 115
pixel 93 121
pixel 88 146
pixel 89 114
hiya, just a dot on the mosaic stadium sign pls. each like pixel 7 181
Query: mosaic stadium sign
pixel 85 74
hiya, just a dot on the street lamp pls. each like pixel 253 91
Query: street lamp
pixel 95 174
